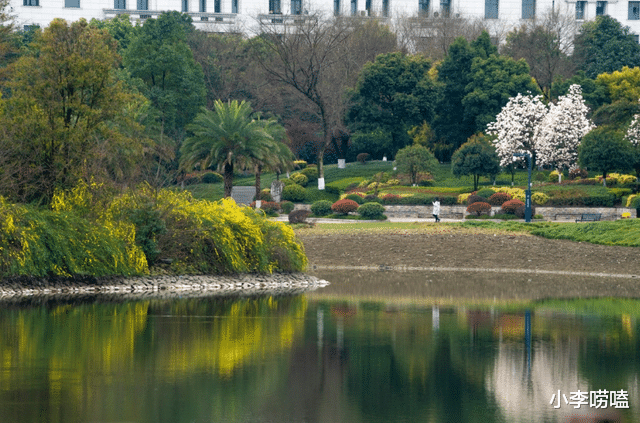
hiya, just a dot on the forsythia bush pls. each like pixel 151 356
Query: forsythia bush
pixel 462 198
pixel 84 235
pixel 539 198
pixel 515 193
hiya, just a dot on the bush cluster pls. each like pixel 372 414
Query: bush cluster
pixel 299 179
pixel 485 193
pixel 473 198
pixel 321 208
pixel 299 164
pixel 511 206
pixel 286 207
pixel 479 208
pixel 391 199
pixel 294 193
pixel 355 197
pixel 344 206
pixel 371 211
pixel 499 198
pixel 311 172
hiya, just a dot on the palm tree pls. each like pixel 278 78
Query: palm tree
pixel 225 137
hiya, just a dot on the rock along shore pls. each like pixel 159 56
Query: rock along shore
pixel 161 286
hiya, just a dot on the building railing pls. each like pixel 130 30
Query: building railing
pixel 217 18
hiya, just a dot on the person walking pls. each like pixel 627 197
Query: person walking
pixel 436 209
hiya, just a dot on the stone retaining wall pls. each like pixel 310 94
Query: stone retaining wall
pixel 161 286
pixel 459 212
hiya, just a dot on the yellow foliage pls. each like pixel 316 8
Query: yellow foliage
pixel 624 84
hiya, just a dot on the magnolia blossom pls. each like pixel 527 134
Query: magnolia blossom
pixel 559 134
pixel 515 126
pixel 633 132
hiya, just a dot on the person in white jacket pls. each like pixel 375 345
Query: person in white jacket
pixel 436 209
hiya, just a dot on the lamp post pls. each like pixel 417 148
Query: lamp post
pixel 527 196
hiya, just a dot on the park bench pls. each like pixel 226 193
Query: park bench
pixel 589 217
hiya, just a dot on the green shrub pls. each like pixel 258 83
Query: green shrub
pixel 211 178
pixel 294 193
pixel 299 179
pixel 553 176
pixel 371 211
pixel 391 199
pixel 362 158
pixel 344 206
pixel 315 194
pixel 287 182
pixel 300 164
pixel 540 177
pixel 311 172
pixel 418 199
pixel 635 202
pixel 265 195
pixel 321 208
pixel 620 192
pixel 485 193
pixel 578 173
pixel 287 207
pixel 355 197
pixel 372 198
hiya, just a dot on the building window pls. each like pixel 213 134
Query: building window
pixel 31 2
pixel 71 3
pixel 491 9
pixel 528 9
pixel 234 6
pixel 367 7
pixel 185 5
pixel 634 10
pixel 336 7
pixel 423 7
pixel 385 8
pixel 354 7
pixel 636 38
pixel 601 8
pixel 445 8
pixel 296 7
pixel 274 7
pixel 216 6
pixel 119 4
pixel 143 4
pixel 580 7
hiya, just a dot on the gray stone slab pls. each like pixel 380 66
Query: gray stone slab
pixel 243 195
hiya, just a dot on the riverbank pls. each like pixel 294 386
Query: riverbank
pixel 449 262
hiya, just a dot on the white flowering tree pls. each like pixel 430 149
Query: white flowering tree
pixel 633 136
pixel 558 136
pixel 514 128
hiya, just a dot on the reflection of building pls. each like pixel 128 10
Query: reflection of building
pixel 243 16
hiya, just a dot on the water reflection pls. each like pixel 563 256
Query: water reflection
pixel 299 358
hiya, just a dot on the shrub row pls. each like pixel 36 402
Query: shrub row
pixel 345 206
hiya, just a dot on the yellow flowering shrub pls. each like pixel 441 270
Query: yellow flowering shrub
pixel 622 179
pixel 462 198
pixel 539 198
pixel 515 193
pixel 630 200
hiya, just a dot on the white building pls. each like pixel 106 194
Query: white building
pixel 243 15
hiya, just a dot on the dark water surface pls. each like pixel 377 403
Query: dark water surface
pixel 316 358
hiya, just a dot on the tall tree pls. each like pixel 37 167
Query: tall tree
pixel 545 48
pixel 158 54
pixel 451 125
pixel 313 57
pixel 604 45
pixel 476 157
pixel 225 137
pixel 605 149
pixel 60 101
pixel 393 94
pixel 633 136
pixel 558 135
pixel 414 159
pixel 514 128
pixel 494 81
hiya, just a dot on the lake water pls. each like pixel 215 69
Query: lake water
pixel 317 357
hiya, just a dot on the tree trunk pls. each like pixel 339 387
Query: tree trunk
pixel 258 170
pixel 228 179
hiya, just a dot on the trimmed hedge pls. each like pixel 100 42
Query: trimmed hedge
pixel 371 211
pixel 294 193
pixel 321 208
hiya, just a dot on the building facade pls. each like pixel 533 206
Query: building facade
pixel 245 15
